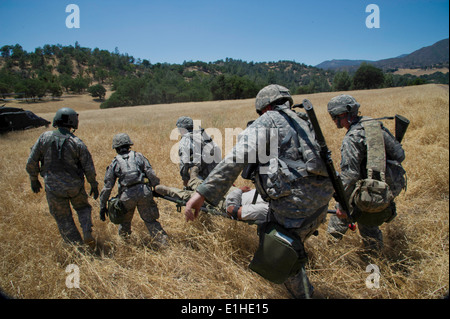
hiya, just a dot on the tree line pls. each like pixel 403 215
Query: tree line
pixel 368 76
pixel 56 69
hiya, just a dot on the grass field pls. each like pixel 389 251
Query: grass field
pixel 209 258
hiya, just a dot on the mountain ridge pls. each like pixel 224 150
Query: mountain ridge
pixel 436 54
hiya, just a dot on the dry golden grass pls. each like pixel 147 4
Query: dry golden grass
pixel 419 72
pixel 209 258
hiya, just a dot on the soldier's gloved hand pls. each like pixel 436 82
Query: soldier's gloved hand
pixel 103 213
pixel 94 190
pixel 36 186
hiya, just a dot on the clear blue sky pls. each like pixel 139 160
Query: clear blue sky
pixel 174 31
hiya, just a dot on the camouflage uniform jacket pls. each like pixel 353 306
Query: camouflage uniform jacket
pixel 305 196
pixel 354 154
pixel 193 147
pixel 114 172
pixel 62 160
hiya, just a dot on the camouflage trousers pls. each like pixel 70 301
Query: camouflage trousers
pixel 59 206
pixel 185 194
pixel 371 235
pixel 179 194
pixel 299 285
pixel 140 197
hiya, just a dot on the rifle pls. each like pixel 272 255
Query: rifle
pixel 401 124
pixel 180 203
pixel 325 154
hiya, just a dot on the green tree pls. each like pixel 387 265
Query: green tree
pixel 342 81
pixel 100 74
pixel 17 52
pixel 66 81
pixel 368 77
pixel 65 65
pixel 389 80
pixel 233 87
pixel 417 81
pixel 97 90
pixel 146 63
pixel 31 88
pixel 5 51
pixel 7 82
pixel 4 89
pixel 54 89
pixel 79 84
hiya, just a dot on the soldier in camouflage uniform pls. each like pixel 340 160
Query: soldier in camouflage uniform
pixel 344 111
pixel 197 151
pixel 299 199
pixel 63 160
pixel 136 177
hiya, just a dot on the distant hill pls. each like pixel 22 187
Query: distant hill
pixel 433 55
pixel 56 69
pixel 341 64
pixel 436 55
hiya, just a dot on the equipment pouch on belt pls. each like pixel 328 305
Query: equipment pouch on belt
pixel 280 254
pixel 373 195
pixel 116 210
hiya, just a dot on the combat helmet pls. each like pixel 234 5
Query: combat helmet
pixel 343 104
pixel 121 139
pixel 270 94
pixel 66 117
pixel 185 122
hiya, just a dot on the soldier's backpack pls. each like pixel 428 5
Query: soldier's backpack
pixel 282 171
pixel 57 141
pixel 130 175
pixel 374 195
pixel 211 153
pixel 130 171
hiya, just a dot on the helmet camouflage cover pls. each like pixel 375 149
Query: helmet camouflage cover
pixel 121 139
pixel 271 94
pixel 342 104
pixel 66 117
pixel 185 122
